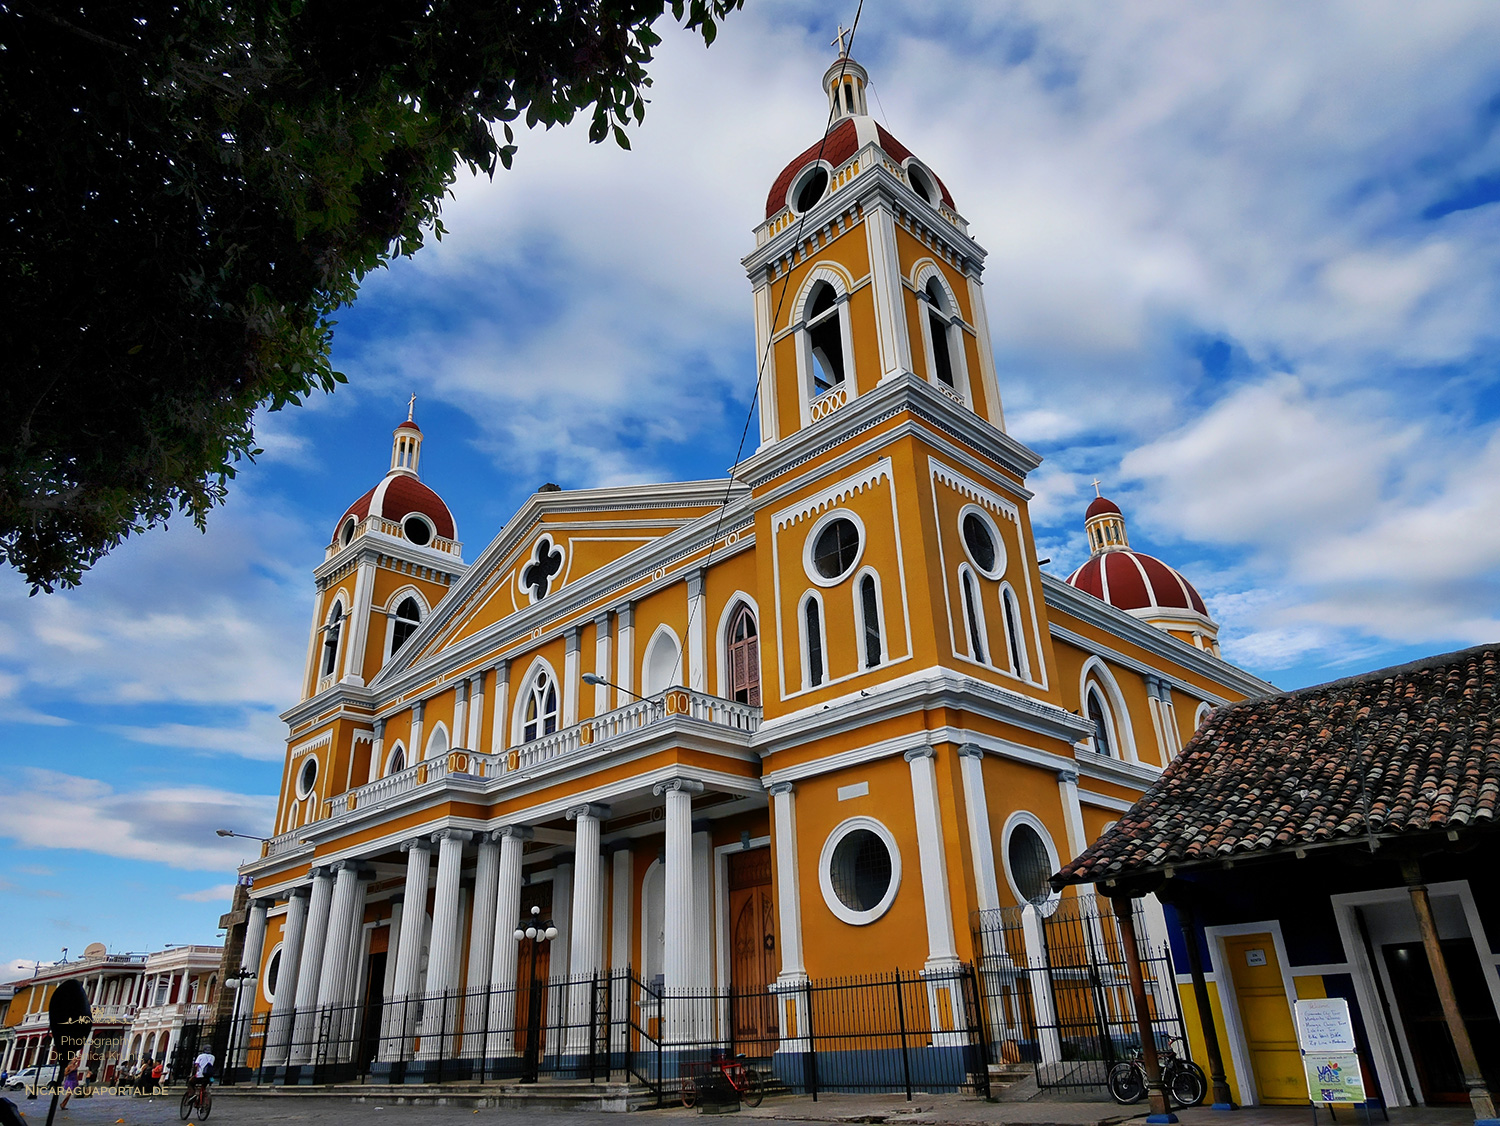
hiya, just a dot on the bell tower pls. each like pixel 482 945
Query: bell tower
pixel 864 271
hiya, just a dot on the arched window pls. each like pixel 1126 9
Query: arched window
pixel 973 616
pixel 1098 713
pixel 868 607
pixel 744 658
pixel 1202 715
pixel 397 761
pixel 408 618
pixel 938 324
pixel 812 642
pixel 437 743
pixel 825 337
pixel 541 708
pixel 331 633
pixel 663 668
pixel 1012 614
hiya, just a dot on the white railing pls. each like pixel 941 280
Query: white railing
pixel 828 402
pixel 393 528
pixel 283 843
pixel 680 704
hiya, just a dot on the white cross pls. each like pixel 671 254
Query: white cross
pixel 838 41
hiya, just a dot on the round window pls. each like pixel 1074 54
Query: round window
pixel 982 542
pixel 273 971
pixel 417 530
pixel 306 777
pixel 810 189
pixel 1030 864
pixel 836 548
pixel 860 870
pixel 347 532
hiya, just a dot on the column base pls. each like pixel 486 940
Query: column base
pixel 1160 1119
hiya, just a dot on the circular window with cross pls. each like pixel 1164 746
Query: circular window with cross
pixel 542 573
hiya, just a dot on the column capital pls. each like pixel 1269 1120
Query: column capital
pixel 340 865
pixel 453 835
pixel 476 682
pixel 461 689
pixel 702 825
pixel 302 891
pixel 262 904
pixel 1068 777
pixel 520 832
pixel 695 582
pixel 971 750
pixel 609 848
pixel 687 785
pixel 570 640
pixel 379 728
pixel 322 872
pixel 588 809
pixel 416 708
pixel 625 613
pixel 918 753
pixel 416 844
pixel 776 789
pixel 601 621
pixel 502 669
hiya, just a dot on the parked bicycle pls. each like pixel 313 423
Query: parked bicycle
pixel 1184 1080
pixel 197 1097
pixel 743 1080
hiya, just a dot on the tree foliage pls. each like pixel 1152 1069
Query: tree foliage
pixel 192 188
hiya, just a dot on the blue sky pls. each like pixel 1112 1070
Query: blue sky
pixel 1242 268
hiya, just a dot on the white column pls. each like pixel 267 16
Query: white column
pixel 359 623
pixel 1067 788
pixel 304 1032
pixel 763 329
pixel 347 910
pixel 601 663
pixel 409 950
pixel 705 1010
pixel 293 927
pixel 441 1005
pixel 476 711
pixel 512 840
pixel 986 350
pixel 390 1013
pixel 572 686
pixel 941 951
pixel 500 724
pixel 890 300
pixel 622 878
pixel 697 641
pixel 562 914
pixel 461 715
pixel 482 923
pixel 986 882
pixel 588 901
pixel 377 751
pixel 414 740
pixel 792 978
pixel 1048 1041
pixel 625 651
pixel 244 996
pixel 677 958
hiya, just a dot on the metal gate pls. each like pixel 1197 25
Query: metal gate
pixel 1056 988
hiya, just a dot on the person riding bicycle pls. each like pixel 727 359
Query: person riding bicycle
pixel 203 1067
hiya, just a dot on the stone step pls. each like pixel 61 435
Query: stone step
pixel 559 1094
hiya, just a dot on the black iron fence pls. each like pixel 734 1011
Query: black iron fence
pixel 902 1031
pixel 1056 988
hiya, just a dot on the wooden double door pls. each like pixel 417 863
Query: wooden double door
pixel 753 957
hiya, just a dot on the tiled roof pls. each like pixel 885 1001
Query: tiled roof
pixel 1130 580
pixel 1284 771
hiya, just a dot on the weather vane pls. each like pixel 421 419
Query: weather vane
pixel 838 41
pixel 411 406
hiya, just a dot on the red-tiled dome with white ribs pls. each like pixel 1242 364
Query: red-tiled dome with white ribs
pixel 1099 506
pixel 1129 580
pixel 844 140
pixel 401 493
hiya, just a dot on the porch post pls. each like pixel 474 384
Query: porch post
pixel 1125 916
pixel 1479 1094
pixel 1187 920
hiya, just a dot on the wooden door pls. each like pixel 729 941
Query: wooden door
pixel 1425 1025
pixel 753 960
pixel 532 962
pixel 1266 1019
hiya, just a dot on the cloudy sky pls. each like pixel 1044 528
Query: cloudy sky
pixel 1242 269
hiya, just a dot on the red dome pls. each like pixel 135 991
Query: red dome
pixel 409 425
pixel 396 498
pixel 1128 580
pixel 842 142
pixel 1099 506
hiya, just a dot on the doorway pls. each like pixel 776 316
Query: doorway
pixel 533 960
pixel 1426 1028
pixel 1266 1018
pixel 752 952
pixel 369 1040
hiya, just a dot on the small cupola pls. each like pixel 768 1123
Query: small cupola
pixel 845 82
pixel 1105 525
pixel 406 443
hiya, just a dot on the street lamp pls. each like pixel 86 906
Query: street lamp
pixel 232 833
pixel 595 679
pixel 243 1006
pixel 537 931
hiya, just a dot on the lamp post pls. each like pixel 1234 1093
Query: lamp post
pixel 237 982
pixel 596 680
pixel 535 930
pixel 232 833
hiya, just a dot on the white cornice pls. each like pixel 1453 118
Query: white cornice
pixel 372 544
pixel 1139 775
pixel 1070 600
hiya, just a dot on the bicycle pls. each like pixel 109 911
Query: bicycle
pixel 197 1097
pixel 743 1080
pixel 1184 1081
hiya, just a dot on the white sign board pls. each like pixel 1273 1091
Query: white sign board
pixel 1323 1025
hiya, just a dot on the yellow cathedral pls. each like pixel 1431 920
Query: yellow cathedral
pixel 714 744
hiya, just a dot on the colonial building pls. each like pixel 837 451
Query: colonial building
pixel 732 735
pixel 140 1004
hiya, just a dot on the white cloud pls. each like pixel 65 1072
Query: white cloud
pixel 17 968
pixel 167 825
pixel 260 736
pixel 216 894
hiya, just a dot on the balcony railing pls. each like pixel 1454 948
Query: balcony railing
pixel 676 704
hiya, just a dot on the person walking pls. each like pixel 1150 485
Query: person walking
pixel 157 1071
pixel 70 1079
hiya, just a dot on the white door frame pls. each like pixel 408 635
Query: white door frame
pixel 1239 1047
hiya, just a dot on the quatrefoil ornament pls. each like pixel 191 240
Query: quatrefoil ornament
pixel 546 562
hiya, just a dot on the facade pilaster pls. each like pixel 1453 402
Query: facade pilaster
pixel 601 662
pixel 377 751
pixel 625 650
pixel 500 723
pixel 890 300
pixel 697 641
pixel 572 685
pixel 476 712
pixel 1067 788
pixel 791 980
pixel 461 715
pixel 941 950
pixel 359 624
pixel 414 747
